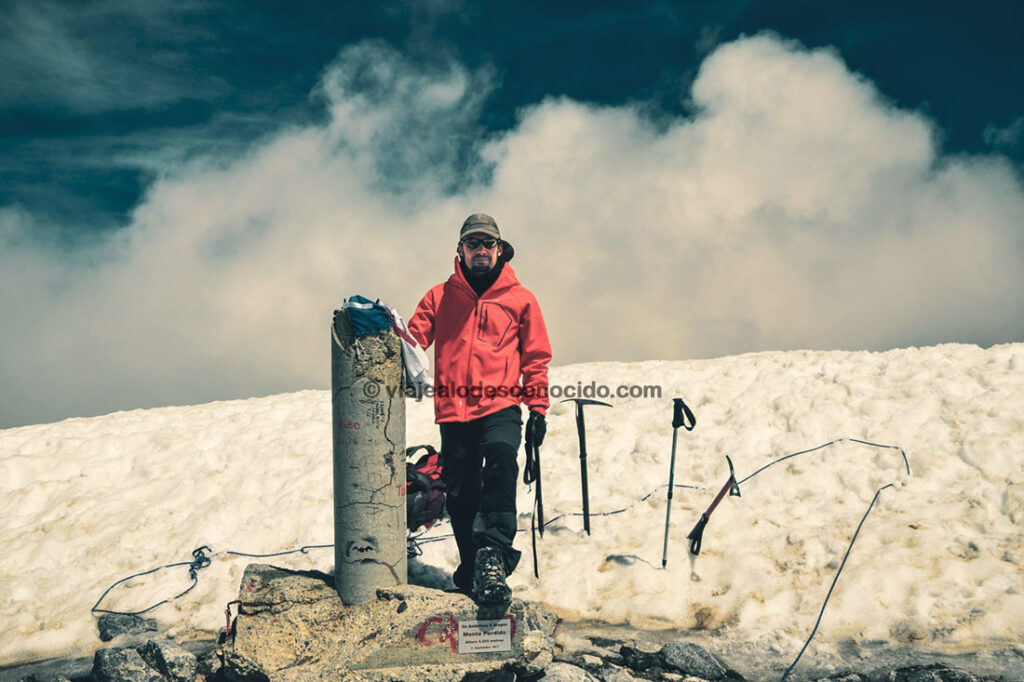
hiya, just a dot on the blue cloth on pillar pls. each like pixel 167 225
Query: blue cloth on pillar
pixel 365 316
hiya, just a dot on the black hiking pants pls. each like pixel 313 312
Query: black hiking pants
pixel 479 473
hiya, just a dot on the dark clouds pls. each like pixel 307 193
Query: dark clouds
pixel 159 78
pixel 103 56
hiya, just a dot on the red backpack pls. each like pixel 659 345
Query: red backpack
pixel 424 489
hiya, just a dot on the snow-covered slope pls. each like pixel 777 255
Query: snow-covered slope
pixel 938 564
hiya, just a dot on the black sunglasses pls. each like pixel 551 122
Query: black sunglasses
pixel 473 243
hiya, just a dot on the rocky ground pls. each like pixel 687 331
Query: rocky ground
pixel 291 626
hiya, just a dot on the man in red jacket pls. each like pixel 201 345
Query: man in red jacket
pixel 491 354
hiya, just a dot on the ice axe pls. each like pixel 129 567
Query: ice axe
pixel 581 431
pixel 681 416
pixel 733 488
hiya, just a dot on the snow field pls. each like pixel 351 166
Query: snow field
pixel 938 564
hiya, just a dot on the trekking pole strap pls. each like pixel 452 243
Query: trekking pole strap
pixel 682 415
pixel 531 475
pixel 531 471
pixel 539 495
pixel 697 534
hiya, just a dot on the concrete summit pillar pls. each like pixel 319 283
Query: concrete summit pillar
pixel 369 461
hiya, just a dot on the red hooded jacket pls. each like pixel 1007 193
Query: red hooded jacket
pixel 491 351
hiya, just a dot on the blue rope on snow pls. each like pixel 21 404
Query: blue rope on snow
pixel 199 561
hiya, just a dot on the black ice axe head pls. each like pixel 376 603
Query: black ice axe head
pixel 734 489
pixel 580 427
pixel 586 401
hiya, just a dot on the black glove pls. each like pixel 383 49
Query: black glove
pixel 536 427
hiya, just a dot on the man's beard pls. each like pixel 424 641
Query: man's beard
pixel 479 266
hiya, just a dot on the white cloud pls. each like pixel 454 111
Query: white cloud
pixel 797 209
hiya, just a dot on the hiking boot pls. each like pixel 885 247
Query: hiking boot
pixel 489 585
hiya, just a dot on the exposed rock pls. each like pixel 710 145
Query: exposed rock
pixel 578 658
pixel 122 665
pixel 170 660
pixel 293 626
pixel 600 666
pixel 566 672
pixel 614 673
pixel 574 649
pixel 112 625
pixel 641 656
pixel 492 676
pixel 538 654
pixel 690 659
pixel 406 634
pixel 931 673
pixel 210 664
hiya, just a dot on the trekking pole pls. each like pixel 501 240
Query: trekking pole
pixel 679 410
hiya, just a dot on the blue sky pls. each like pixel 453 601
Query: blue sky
pixel 175 177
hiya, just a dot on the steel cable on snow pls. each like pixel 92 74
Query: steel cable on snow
pixel 301 550
pixel 846 556
pixel 853 540
pixel 822 447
